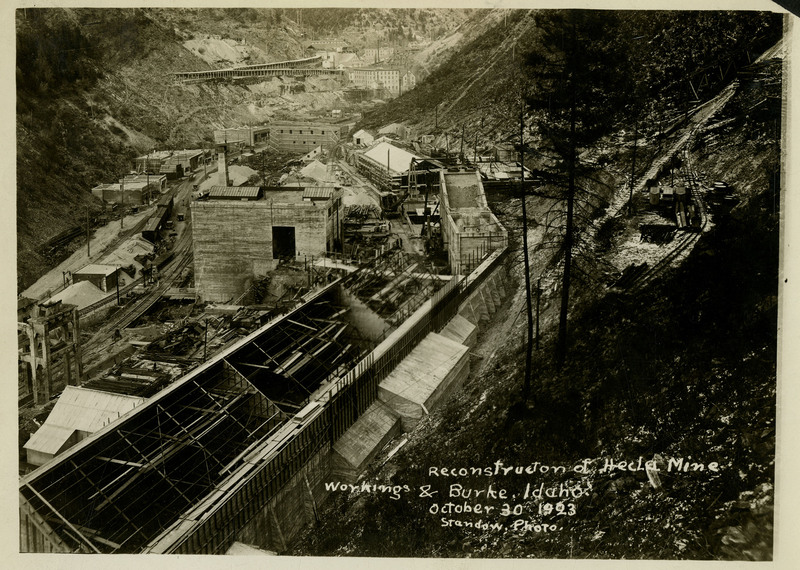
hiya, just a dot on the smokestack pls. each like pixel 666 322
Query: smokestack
pixel 222 164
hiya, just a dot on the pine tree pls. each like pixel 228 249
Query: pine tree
pixel 576 77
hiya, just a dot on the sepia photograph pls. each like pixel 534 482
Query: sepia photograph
pixel 429 282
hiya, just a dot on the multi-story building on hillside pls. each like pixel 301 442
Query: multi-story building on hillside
pixel 303 136
pixel 240 234
pixel 376 55
pixel 408 81
pixel 376 78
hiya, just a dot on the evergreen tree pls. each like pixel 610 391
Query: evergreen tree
pixel 576 97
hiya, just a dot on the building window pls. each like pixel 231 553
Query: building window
pixel 290 131
pixel 301 132
pixel 312 131
pixel 323 132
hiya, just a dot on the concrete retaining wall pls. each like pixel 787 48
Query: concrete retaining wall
pixel 295 506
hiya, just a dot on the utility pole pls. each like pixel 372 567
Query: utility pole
pixel 117 285
pixel 122 203
pixel 526 387
pixel 205 162
pixel 205 341
pixel 88 237
pixel 147 175
pixel 538 297
pixel 462 144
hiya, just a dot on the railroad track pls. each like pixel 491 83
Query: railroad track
pixel 126 316
pixel 132 313
pixel 682 244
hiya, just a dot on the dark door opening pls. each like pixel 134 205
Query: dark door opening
pixel 282 242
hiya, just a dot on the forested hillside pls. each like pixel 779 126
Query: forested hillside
pixel 652 435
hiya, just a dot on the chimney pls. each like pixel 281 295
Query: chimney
pixel 222 164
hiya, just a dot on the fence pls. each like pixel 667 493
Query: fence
pixel 478 249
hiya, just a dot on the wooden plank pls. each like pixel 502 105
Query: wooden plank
pixel 301 325
pixel 120 461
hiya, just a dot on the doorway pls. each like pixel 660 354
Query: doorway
pixel 283 244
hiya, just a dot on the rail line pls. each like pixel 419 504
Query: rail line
pixel 685 243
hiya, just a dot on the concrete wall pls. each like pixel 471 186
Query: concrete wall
pixel 469 228
pixel 283 517
pixel 303 137
pixel 233 241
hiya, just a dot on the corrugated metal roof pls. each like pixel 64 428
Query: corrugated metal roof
pixel 79 409
pixel 234 191
pixel 318 193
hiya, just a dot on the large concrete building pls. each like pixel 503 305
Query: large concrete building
pixel 470 230
pixel 376 78
pixel 238 239
pixel 304 136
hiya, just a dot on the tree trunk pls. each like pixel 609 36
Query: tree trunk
pixel 561 344
pixel 526 387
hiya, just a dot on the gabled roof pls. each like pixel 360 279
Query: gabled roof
pixel 399 159
pixel 315 170
pixel 81 294
pixel 79 409
pixel 390 128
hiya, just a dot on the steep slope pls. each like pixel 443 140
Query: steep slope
pixel 682 373
pixel 476 89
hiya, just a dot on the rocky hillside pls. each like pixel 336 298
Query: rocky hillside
pixel 475 86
